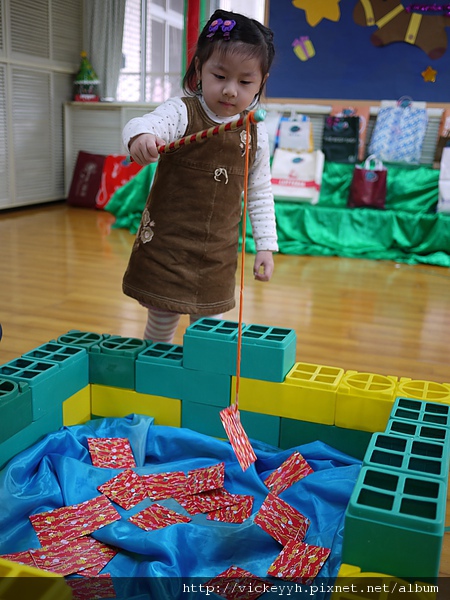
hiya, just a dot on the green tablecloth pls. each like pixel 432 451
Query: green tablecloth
pixel 128 202
pixel 409 230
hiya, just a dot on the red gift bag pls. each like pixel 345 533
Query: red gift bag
pixel 86 179
pixel 369 184
pixel 117 171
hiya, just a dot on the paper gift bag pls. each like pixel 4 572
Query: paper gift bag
pixel 117 171
pixel 443 204
pixel 444 182
pixel 363 112
pixel 272 123
pixel 443 142
pixel 443 139
pixel 297 176
pixel 444 173
pixel 86 179
pixel 295 133
pixel 399 132
pixel 369 184
pixel 340 141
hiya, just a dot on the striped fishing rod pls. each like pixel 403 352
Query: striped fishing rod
pixel 254 116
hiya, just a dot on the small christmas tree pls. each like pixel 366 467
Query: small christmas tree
pixel 86 82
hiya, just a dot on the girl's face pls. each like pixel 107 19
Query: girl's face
pixel 229 84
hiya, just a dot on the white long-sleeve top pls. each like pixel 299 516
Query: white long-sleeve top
pixel 169 121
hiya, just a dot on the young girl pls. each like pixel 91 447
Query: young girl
pixel 184 259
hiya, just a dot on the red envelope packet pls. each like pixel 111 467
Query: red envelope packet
pixel 114 453
pixel 292 470
pixel 106 553
pixel 281 520
pixel 94 588
pixel 237 584
pixel 164 485
pixel 238 438
pixel 126 489
pixel 205 479
pixel 68 557
pixel 23 558
pixel 205 502
pixel 71 522
pixel 156 517
pixel 299 561
pixel 236 513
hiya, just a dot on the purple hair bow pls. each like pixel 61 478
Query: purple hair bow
pixel 226 26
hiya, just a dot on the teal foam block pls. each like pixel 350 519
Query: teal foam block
pixel 45 380
pixel 350 441
pixel 16 409
pixel 86 339
pixel 420 411
pixel 410 455
pixel 268 353
pixel 73 362
pixel 211 345
pixel 30 434
pixel 159 370
pixel 205 419
pixel 207 388
pixel 431 433
pixel 112 361
pixel 395 523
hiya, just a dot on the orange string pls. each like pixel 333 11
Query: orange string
pixel 244 231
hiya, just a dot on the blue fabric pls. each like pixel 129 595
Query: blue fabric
pixel 58 471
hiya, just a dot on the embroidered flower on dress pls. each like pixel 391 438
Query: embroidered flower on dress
pixel 146 232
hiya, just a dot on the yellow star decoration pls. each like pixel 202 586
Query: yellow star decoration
pixel 429 74
pixel 316 11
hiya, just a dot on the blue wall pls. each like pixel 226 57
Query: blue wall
pixel 346 64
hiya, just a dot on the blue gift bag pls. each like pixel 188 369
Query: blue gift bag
pixel 399 133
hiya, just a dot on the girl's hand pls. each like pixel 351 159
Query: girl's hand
pixel 144 148
pixel 263 266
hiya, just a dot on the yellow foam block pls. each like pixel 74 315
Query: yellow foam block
pixel 22 581
pixel 424 390
pixel 364 401
pixel 118 402
pixel 354 584
pixel 77 408
pixel 308 393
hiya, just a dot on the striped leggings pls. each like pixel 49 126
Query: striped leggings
pixel 161 325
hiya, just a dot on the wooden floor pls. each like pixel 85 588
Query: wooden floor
pixel 61 268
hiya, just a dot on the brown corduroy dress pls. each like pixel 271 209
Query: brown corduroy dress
pixel 185 255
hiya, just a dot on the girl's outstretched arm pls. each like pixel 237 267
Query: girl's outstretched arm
pixel 168 122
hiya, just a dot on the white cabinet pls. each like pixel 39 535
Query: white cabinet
pixel 40 44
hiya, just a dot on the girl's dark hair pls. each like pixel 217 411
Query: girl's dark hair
pixel 255 39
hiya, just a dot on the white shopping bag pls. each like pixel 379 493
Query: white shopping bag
pixel 295 133
pixel 444 182
pixel 444 174
pixel 297 176
pixel 272 123
pixel 443 204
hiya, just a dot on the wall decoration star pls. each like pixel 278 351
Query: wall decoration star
pixel 429 74
pixel 316 11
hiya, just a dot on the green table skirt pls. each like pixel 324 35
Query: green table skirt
pixel 361 233
pixel 408 230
